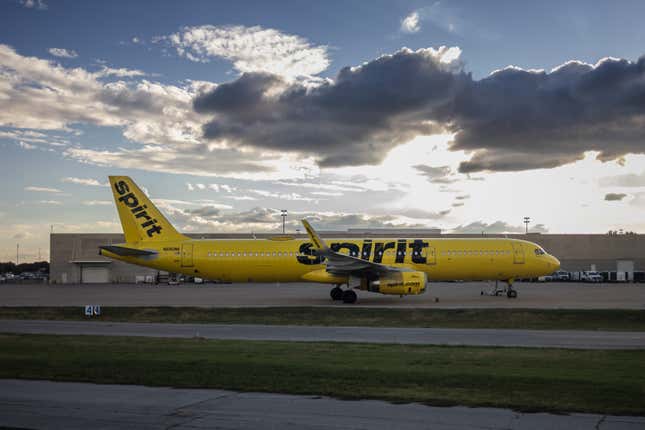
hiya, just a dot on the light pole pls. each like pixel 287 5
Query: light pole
pixel 284 219
pixel 527 220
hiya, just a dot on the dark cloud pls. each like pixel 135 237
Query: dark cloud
pixel 353 120
pixel 517 119
pixel 512 120
pixel 478 227
pixel 615 197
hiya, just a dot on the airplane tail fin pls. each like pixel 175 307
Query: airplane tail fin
pixel 315 237
pixel 140 218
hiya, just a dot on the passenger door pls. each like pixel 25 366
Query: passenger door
pixel 518 253
pixel 187 255
pixel 430 254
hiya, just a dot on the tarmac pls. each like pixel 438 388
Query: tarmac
pixel 53 405
pixel 420 336
pixel 440 295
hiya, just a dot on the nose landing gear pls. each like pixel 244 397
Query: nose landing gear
pixel 510 292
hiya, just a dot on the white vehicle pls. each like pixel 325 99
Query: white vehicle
pixel 591 277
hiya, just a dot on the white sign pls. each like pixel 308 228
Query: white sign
pixel 92 310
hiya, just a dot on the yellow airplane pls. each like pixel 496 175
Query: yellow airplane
pixel 386 266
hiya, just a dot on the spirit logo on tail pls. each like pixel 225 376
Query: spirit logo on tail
pixel 149 224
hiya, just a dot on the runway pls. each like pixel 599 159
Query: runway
pixel 449 295
pixel 54 405
pixel 420 336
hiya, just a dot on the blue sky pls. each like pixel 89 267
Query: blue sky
pixel 89 89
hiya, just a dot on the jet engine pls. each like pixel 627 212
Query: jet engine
pixel 399 283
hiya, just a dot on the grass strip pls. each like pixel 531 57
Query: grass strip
pixel 556 380
pixel 617 320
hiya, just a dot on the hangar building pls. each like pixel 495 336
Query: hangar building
pixel 75 258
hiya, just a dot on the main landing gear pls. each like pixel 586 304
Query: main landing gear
pixel 510 292
pixel 347 296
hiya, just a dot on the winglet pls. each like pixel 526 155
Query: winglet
pixel 317 240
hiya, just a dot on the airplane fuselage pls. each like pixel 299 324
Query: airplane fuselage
pixel 293 260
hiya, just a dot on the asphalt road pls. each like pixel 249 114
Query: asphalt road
pixel 422 336
pixel 56 405
pixel 449 295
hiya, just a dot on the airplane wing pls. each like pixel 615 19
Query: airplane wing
pixel 341 264
pixel 126 252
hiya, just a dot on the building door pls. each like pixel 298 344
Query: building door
pixel 430 254
pixel 624 270
pixel 518 253
pixel 94 274
pixel 187 255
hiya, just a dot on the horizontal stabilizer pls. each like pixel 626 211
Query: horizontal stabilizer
pixel 126 252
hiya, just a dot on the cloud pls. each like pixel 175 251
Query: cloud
pixel 419 213
pixel 520 119
pixel 43 189
pixel 615 197
pixel 263 125
pixel 251 49
pixel 85 181
pixel 27 146
pixel 512 120
pixel 477 227
pixel 33 137
pixel 627 180
pixel 355 119
pixel 410 24
pixel 50 202
pixel 63 53
pixel 97 202
pixel 34 4
pixel 437 175
pixel 157 119
pixel 209 218
pixel 121 72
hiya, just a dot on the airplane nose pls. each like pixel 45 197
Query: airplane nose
pixel 555 263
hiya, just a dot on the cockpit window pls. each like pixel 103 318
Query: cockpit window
pixel 539 251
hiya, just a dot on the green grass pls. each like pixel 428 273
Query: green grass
pixel 609 382
pixel 619 320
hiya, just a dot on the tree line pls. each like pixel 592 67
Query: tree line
pixel 11 267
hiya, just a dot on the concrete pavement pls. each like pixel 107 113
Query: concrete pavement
pixel 450 295
pixel 423 336
pixel 54 405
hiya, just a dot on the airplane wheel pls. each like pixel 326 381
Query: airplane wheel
pixel 336 293
pixel 511 294
pixel 349 296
